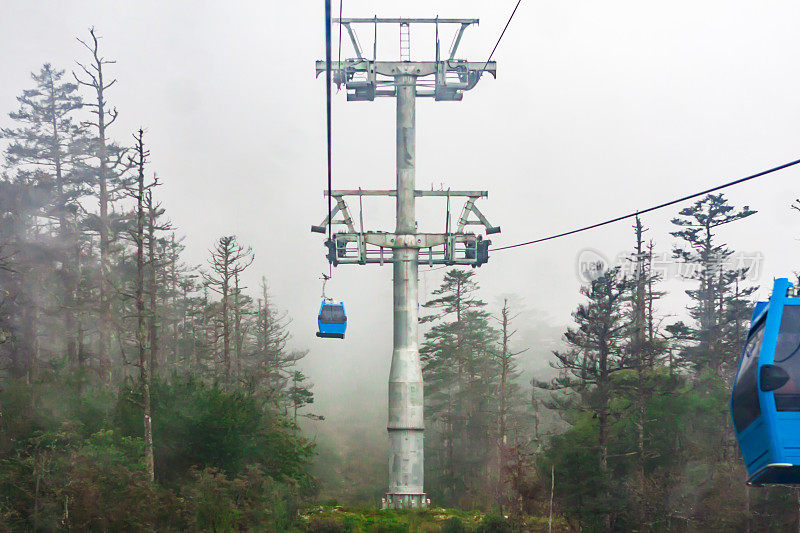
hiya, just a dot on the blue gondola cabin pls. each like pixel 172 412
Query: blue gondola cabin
pixel 765 402
pixel 332 320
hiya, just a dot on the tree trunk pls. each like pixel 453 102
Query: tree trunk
pixel 639 347
pixel 602 414
pixel 504 371
pixel 38 475
pixel 237 315
pixel 174 280
pixel 746 509
pixel 142 333
pixel 67 293
pixel 602 419
pixel 105 264
pixel 552 492
pixel 226 335
pixel 797 500
pixel 153 286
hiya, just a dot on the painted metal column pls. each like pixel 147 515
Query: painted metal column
pixel 406 463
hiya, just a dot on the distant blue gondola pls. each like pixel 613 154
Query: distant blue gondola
pixel 765 402
pixel 332 320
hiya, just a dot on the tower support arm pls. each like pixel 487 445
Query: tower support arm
pixel 391 192
pixel 353 39
pixel 457 40
pixel 347 220
pixel 395 20
pixel 417 68
pixel 464 220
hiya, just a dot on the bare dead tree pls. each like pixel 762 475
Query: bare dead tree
pixel 228 260
pixel 239 327
pixel 506 363
pixel 154 212
pixel 506 359
pixel 107 176
pixel 142 339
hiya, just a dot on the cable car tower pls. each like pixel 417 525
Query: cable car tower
pixel 444 78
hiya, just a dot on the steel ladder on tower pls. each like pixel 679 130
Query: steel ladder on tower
pixel 405 41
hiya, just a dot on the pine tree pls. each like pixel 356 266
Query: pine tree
pixel 596 350
pixel 49 148
pixel 16 359
pixel 271 362
pixel 20 264
pixel 645 347
pixel 461 373
pixel 596 353
pixel 718 302
pixel 300 394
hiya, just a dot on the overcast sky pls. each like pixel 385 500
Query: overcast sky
pixel 599 108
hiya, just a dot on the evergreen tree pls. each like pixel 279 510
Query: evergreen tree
pixel 718 307
pixel 644 345
pixel 300 394
pixel 461 375
pixel 646 349
pixel 596 352
pixel 79 449
pixel 270 363
pixel 48 148
pixel 21 263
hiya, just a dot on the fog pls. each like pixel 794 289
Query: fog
pixel 598 109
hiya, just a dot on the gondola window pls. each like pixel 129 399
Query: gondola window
pixel 787 398
pixel 745 394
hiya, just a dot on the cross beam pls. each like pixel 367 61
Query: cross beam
pixel 418 193
pixel 401 20
pixel 463 221
pixel 365 80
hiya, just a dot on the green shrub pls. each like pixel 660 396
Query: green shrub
pixel 197 426
pixel 453 525
pixel 326 525
pixel 495 524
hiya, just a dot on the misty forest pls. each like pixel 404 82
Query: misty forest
pixel 142 392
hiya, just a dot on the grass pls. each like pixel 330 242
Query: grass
pixel 341 519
